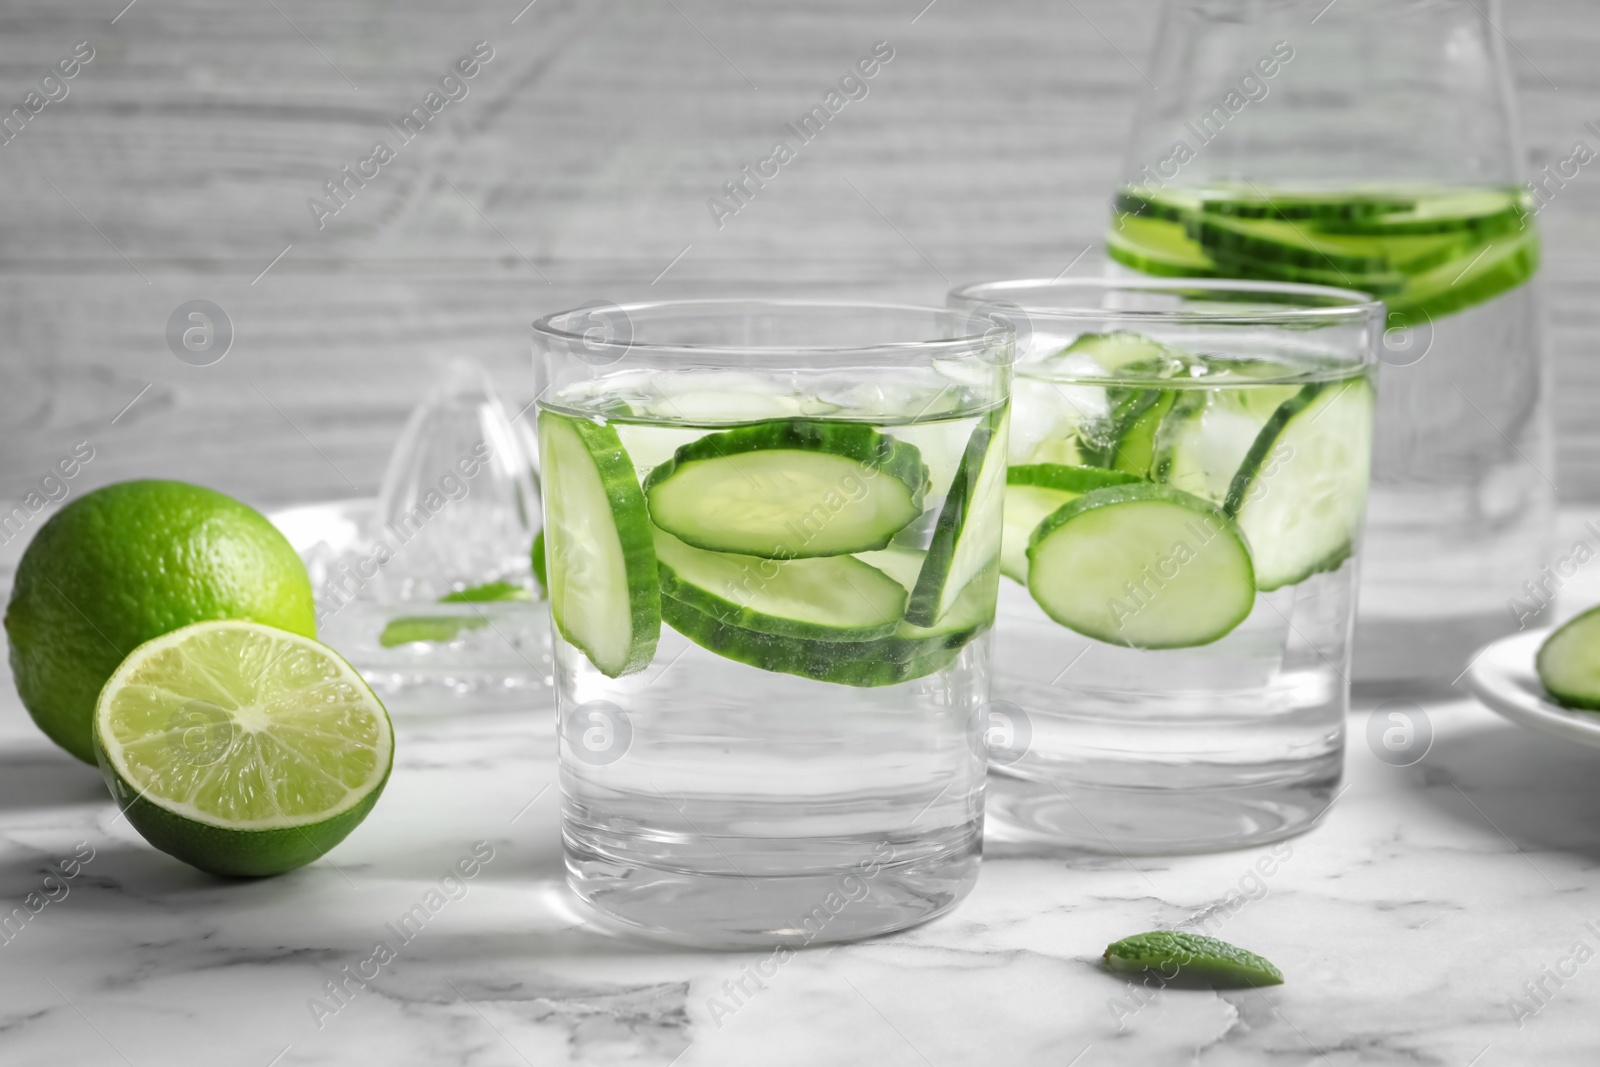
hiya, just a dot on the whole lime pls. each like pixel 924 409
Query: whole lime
pixel 125 564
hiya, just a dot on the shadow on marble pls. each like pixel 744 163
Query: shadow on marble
pixel 1500 779
pixel 46 777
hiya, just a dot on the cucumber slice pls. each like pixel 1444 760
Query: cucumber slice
pixel 885 661
pixel 1066 479
pixel 1209 433
pixel 966 539
pixel 1300 494
pixel 1569 662
pixel 1119 350
pixel 538 559
pixel 1137 417
pixel 831 598
pixel 1504 266
pixel 1156 246
pixel 789 489
pixel 1478 212
pixel 1026 507
pixel 1166 204
pixel 902 564
pixel 1144 566
pixel 604 595
pixel 1319 209
pixel 1272 240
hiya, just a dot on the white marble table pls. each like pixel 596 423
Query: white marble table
pixel 1406 925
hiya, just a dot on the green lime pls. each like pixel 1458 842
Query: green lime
pixel 1191 959
pixel 130 562
pixel 241 749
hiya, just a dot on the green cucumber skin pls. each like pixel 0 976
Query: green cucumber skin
pixel 735 615
pixel 879 453
pixel 1135 447
pixel 1067 479
pixel 923 608
pixel 862 664
pixel 631 520
pixel 1250 467
pixel 540 566
pixel 1553 646
pixel 1193 959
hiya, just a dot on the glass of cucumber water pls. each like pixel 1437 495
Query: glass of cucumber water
pixel 1187 484
pixel 772 544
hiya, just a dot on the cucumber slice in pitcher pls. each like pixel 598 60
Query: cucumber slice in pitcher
pixel 830 598
pixel 1300 494
pixel 1144 566
pixel 604 595
pixel 1569 662
pixel 789 489
pixel 966 539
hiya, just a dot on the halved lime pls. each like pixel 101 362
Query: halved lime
pixel 241 749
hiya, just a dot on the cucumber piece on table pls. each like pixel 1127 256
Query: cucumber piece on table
pixel 789 489
pixel 830 598
pixel 604 593
pixel 1144 566
pixel 966 539
pixel 1300 493
pixel 1569 662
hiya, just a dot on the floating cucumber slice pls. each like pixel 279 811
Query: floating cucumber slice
pixel 1569 662
pixel 1119 350
pixel 431 629
pixel 540 574
pixel 1209 433
pixel 830 598
pixel 1504 265
pixel 1142 565
pixel 1319 209
pixel 604 595
pixel 901 563
pixel 788 489
pixel 1191 959
pixel 1136 419
pixel 1167 204
pixel 884 661
pixel 1480 212
pixel 488 592
pixel 1026 507
pixel 1156 246
pixel 1066 479
pixel 1300 493
pixel 1273 240
pixel 966 538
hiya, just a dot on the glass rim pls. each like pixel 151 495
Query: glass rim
pixel 548 328
pixel 1341 303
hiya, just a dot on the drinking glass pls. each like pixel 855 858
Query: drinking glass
pixel 771 534
pixel 1373 145
pixel 1187 486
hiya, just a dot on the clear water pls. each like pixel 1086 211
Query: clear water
pixel 1225 744
pixel 712 802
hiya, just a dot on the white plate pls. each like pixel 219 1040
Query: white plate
pixel 1502 676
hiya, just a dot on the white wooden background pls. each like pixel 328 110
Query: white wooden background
pixel 179 166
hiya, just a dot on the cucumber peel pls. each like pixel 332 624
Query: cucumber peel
pixel 966 539
pixel 1182 959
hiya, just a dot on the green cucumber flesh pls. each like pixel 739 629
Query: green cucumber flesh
pixel 828 598
pixel 1136 421
pixel 790 488
pixel 1026 507
pixel 1300 493
pixel 604 593
pixel 540 573
pixel 1156 246
pixel 1569 662
pixel 966 538
pixel 1144 566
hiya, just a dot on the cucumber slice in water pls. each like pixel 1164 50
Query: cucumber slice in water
pixel 1300 494
pixel 966 539
pixel 1569 662
pixel 1138 416
pixel 789 489
pixel 604 595
pixel 1144 566
pixel 831 598
pixel 1034 491
pixel 1208 435
pixel 1159 247
pixel 884 661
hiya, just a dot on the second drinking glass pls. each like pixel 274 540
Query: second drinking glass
pixel 1184 507
pixel 772 533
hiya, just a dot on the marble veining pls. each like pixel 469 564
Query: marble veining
pixel 1444 914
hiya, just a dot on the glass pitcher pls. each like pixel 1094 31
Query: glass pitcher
pixel 1372 145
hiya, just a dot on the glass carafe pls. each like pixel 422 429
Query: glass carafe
pixel 1372 144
